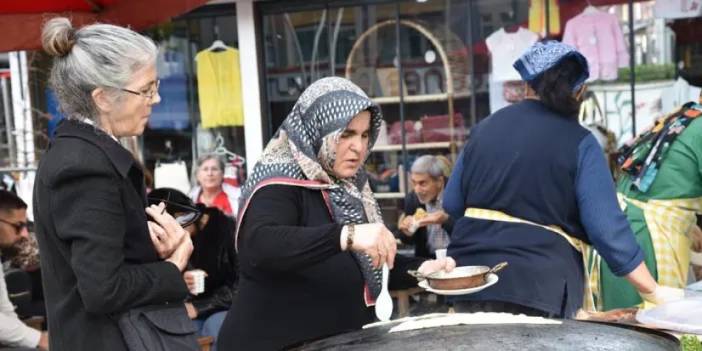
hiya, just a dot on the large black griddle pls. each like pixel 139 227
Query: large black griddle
pixel 571 335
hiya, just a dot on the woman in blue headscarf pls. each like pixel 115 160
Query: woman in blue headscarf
pixel 532 188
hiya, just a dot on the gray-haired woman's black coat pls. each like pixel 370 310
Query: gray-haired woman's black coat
pixel 97 258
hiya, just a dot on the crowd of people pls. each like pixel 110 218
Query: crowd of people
pixel 297 253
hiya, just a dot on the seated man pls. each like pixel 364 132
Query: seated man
pixel 14 334
pixel 424 222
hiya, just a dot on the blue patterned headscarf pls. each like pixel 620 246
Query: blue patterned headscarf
pixel 542 56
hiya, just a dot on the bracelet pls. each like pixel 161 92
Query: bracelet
pixel 351 230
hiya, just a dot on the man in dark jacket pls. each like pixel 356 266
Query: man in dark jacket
pixel 424 222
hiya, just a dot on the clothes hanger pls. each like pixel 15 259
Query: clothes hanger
pixel 220 150
pixel 217 45
pixel 590 9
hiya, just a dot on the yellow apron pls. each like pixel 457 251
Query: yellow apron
pixel 669 222
pixel 579 245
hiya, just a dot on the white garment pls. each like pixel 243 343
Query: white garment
pixel 680 93
pixel 382 134
pixel 172 175
pixel 677 8
pixel 497 96
pixel 505 48
pixel 13 332
pixel 25 190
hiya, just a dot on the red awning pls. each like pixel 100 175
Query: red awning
pixel 21 20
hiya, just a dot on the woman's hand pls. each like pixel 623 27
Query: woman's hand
pixel 192 311
pixel 446 264
pixel 374 240
pixel 165 233
pixel 662 294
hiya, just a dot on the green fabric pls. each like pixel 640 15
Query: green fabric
pixel 680 174
pixel 615 291
pixel 679 177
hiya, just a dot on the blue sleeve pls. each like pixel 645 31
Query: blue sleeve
pixel 454 197
pixel 603 220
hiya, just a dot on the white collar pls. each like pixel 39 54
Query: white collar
pixel 92 123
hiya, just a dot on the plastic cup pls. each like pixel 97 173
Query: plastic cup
pixel 440 253
pixel 199 276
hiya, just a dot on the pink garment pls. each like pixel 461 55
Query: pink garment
pixel 599 38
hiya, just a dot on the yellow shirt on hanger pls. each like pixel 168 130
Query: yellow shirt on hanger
pixel 537 17
pixel 219 88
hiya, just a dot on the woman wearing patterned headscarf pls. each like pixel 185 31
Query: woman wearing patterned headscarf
pixel 310 237
pixel 532 188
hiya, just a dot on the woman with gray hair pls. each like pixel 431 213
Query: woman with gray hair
pixel 99 255
pixel 211 190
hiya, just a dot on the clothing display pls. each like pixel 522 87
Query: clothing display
pixel 675 96
pixel 598 36
pixel 497 96
pixel 663 214
pixel 537 17
pixel 172 175
pixel 545 272
pixel 219 88
pixel 675 9
pixel 505 48
pixel 172 112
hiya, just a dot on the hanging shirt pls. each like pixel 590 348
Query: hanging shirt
pixel 598 36
pixel 673 9
pixel 219 88
pixel 505 48
pixel 537 17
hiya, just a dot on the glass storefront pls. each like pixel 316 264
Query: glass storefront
pixel 439 67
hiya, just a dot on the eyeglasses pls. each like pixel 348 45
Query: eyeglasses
pixel 18 226
pixel 189 214
pixel 145 94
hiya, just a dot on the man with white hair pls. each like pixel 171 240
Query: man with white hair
pixel 424 222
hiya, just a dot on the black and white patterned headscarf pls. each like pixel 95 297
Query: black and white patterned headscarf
pixel 303 151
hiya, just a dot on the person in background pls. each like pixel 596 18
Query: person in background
pixel 311 240
pixel 424 222
pixel 100 254
pixel 660 189
pixel 532 188
pixel 211 189
pixel 14 335
pixel 212 233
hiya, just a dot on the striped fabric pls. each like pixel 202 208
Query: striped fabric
pixel 669 222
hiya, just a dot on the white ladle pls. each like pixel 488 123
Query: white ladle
pixel 383 305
